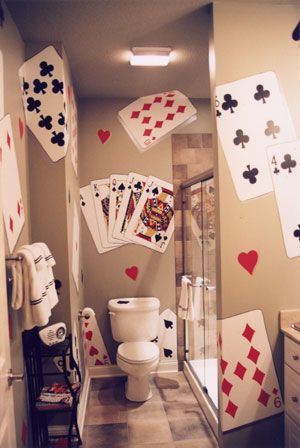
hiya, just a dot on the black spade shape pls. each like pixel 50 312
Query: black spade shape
pixel 168 323
pixel 155 190
pixel 168 353
pixel 296 32
pixel 158 238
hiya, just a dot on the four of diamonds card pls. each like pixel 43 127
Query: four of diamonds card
pixel 129 208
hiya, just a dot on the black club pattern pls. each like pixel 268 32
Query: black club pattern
pixel 229 103
pixel 33 105
pixel 297 232
pixel 261 93
pixel 58 86
pixel 46 69
pixel 45 122
pixel 250 174
pixel 241 138
pixel 39 86
pixel 288 163
pixel 58 138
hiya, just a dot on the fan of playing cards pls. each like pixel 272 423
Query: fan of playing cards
pixel 129 208
pixel 151 118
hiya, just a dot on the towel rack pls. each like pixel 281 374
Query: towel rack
pixel 14 258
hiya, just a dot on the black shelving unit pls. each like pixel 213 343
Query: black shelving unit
pixel 36 354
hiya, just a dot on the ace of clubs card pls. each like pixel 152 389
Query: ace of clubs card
pixel 152 223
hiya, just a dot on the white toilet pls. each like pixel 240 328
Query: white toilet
pixel 134 322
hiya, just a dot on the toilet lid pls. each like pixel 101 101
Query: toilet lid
pixel 137 352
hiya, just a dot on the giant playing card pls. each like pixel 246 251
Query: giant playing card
pixel 151 118
pixel 13 212
pixel 44 100
pixel 248 384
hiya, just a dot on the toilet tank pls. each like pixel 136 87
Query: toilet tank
pixel 134 318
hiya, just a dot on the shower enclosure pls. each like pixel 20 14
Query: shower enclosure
pixel 198 226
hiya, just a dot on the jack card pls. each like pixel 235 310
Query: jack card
pixel 116 194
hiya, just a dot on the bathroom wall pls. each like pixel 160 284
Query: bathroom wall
pixel 249 39
pixel 104 275
pixel 12 48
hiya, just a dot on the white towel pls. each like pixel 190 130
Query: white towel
pixel 50 284
pixel 17 296
pixel 185 306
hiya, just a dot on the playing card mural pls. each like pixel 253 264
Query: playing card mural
pixel 150 119
pixel 116 193
pixel 12 203
pixel 94 348
pixel 167 335
pixel 44 99
pixel 248 382
pixel 75 246
pixel 251 115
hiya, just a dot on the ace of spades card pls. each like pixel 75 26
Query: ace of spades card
pixel 152 223
pixel 12 203
pixel 284 163
pixel 248 384
pixel 44 99
pixel 251 115
pixel 116 194
pixel 151 118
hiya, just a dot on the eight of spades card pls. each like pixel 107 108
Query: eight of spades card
pixel 116 193
pixel 134 187
pixel 152 223
pixel 13 211
pixel 284 163
pixel 44 99
pixel 251 115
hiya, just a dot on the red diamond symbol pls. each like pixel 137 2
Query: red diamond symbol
pixel 263 398
pixel 240 370
pixel 146 120
pixel 231 409
pixel 8 139
pixel 19 208
pixel 158 124
pixel 181 109
pixel 223 365
pixel 220 340
pixel 135 114
pixel 147 132
pixel 171 94
pixel 226 386
pixel 248 333
pixel 258 376
pixel 147 106
pixel 170 117
pixel 169 103
pixel 11 224
pixel 253 355
pixel 275 391
pixel 157 99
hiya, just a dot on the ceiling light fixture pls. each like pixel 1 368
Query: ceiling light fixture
pixel 150 56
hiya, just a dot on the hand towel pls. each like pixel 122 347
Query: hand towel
pixel 50 262
pixel 185 306
pixel 17 297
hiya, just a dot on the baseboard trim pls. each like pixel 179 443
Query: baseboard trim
pixel 114 370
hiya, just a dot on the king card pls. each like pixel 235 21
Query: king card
pixel 44 100
pixel 152 223
pixel 284 163
pixel 151 118
pixel 251 115
pixel 248 385
pixel 116 194
pixel 12 203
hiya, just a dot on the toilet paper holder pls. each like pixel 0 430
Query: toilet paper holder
pixel 85 313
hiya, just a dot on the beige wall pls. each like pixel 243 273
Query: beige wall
pixel 249 39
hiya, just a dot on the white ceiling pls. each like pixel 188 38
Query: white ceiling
pixel 97 36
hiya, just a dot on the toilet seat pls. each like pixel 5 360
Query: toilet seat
pixel 138 352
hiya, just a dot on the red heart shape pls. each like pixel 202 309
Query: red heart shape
pixel 98 363
pixel 248 260
pixel 21 128
pixel 93 351
pixel 132 272
pixel 103 135
pixel 89 335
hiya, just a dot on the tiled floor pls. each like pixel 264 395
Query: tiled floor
pixel 172 418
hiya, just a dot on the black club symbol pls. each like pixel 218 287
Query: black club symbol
pixel 288 163
pixel 39 86
pixel 229 103
pixel 58 138
pixel 46 69
pixel 138 185
pixel 297 232
pixel 272 129
pixel 33 105
pixel 241 138
pixel 58 86
pixel 261 94
pixel 251 174
pixel 45 122
pixel 25 86
pixel 61 120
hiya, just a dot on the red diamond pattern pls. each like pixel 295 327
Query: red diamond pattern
pixel 181 109
pixel 147 106
pixel 275 391
pixel 169 103
pixel 258 376
pixel 240 370
pixel 171 94
pixel 135 114
pixel 11 224
pixel 253 354
pixel 8 139
pixel 248 333
pixel 263 397
pixel 19 208
pixel 226 386
pixel 231 409
pixel 146 120
pixel 157 99
pixel 147 132
pixel 170 116
pixel 158 124
pixel 223 365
